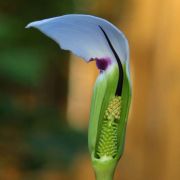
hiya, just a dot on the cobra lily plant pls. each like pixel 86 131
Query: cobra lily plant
pixel 95 39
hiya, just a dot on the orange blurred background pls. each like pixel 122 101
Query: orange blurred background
pixel 45 93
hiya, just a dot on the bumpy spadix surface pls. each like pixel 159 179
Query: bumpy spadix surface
pixel 108 136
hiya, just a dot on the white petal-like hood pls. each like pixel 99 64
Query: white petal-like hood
pixel 82 35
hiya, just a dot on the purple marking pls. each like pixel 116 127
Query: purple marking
pixel 102 63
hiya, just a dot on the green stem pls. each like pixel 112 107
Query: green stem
pixel 104 169
pixel 104 175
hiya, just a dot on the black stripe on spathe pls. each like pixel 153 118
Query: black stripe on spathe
pixel 120 80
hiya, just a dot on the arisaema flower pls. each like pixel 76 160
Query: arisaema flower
pixel 95 39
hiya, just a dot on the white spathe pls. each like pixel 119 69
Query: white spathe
pixel 82 35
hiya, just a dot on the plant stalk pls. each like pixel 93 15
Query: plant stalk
pixel 104 169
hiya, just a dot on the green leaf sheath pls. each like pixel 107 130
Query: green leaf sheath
pixel 104 89
pixel 108 119
pixel 126 100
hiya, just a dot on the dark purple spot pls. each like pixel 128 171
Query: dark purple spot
pixel 102 63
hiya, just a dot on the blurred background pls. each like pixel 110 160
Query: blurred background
pixel 45 92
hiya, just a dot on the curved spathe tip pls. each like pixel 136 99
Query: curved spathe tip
pixel 81 35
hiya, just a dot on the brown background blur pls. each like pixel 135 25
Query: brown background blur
pixel 45 93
